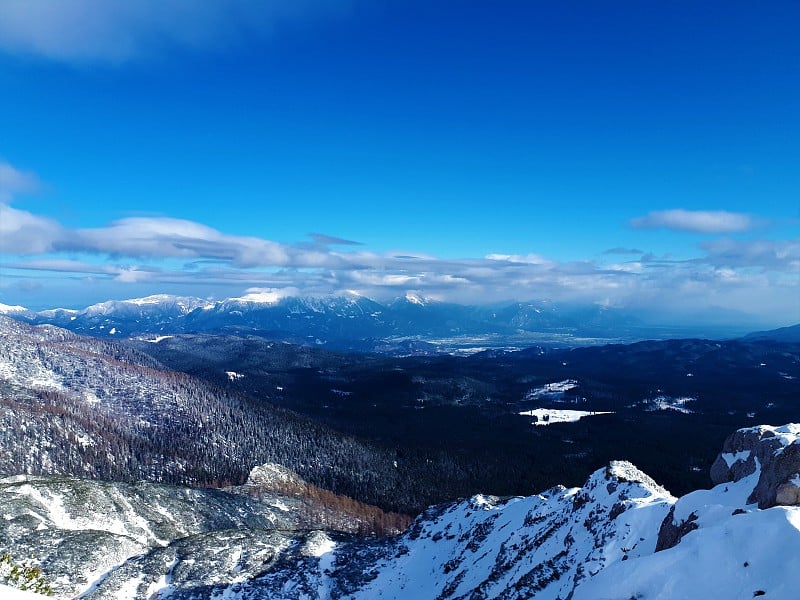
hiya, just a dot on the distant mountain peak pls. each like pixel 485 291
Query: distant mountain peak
pixel 7 309
pixel 414 298
pixel 346 317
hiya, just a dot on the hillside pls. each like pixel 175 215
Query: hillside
pixel 620 535
pixel 85 407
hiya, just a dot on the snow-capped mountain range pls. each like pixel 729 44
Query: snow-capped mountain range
pixel 324 319
pixel 619 536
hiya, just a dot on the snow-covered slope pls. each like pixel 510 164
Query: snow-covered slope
pixel 10 593
pixel 80 530
pixel 717 543
pixel 7 309
pixel 543 545
pixel 120 318
pixel 620 536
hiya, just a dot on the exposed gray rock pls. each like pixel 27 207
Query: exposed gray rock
pixel 788 494
pixel 777 469
pixel 670 532
pixel 773 450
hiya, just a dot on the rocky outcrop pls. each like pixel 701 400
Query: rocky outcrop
pixel 774 452
pixel 788 494
pixel 672 531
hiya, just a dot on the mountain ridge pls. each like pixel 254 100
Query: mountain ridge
pixel 604 539
pixel 352 318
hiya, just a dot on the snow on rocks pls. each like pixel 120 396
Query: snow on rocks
pixel 742 557
pixel 543 544
pixel 552 391
pixel 772 452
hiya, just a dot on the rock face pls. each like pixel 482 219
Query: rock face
pixel 672 531
pixel 757 466
pixel 788 494
pixel 774 452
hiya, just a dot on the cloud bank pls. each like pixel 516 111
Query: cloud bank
pixel 119 30
pixel 697 221
pixel 752 275
pixel 153 254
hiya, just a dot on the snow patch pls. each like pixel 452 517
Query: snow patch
pixel 9 593
pixel 731 458
pixel 319 544
pixel 413 298
pixel 548 416
pixel 786 434
pixel 7 309
pixel 260 296
pixel 552 390
pixel 669 403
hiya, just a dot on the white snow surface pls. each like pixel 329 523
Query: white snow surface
pixel 552 390
pixel 733 457
pixel 670 403
pixel 485 545
pixel 590 543
pixel 787 434
pixel 548 416
pixel 10 593
pixel 735 559
pixel 319 544
pixel 413 298
pixel 184 304
pixel 736 551
pixel 259 297
pixel 8 309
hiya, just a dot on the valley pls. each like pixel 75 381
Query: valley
pixel 322 458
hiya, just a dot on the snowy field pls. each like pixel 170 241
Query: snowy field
pixel 548 416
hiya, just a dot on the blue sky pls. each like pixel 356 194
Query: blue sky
pixel 632 154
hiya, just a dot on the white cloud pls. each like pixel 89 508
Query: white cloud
pixel 698 221
pixel 267 295
pixel 133 275
pixel 22 232
pixel 151 254
pixel 13 181
pixel 175 238
pixel 120 30
pixel 526 259
pixel 764 254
